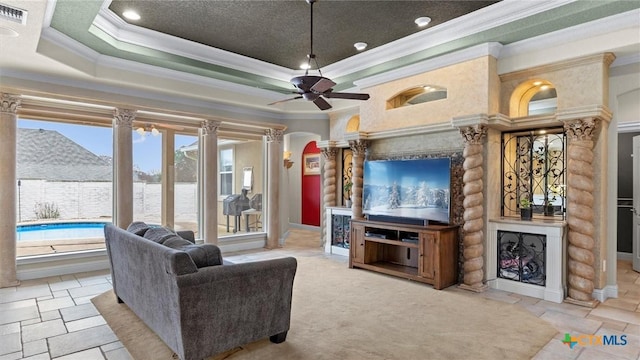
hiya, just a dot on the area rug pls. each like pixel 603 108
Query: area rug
pixel 342 313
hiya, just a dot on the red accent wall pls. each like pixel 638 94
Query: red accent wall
pixel 310 190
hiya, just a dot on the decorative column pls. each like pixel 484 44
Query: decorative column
pixel 328 186
pixel 9 105
pixel 359 148
pixel 209 178
pixel 123 166
pixel 274 166
pixel 473 248
pixel 580 211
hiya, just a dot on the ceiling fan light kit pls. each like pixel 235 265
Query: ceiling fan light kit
pixel 317 88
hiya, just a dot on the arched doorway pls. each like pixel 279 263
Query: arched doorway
pixel 311 178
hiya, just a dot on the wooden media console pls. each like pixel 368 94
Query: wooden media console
pixel 428 254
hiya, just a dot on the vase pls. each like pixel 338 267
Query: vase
pixel 347 203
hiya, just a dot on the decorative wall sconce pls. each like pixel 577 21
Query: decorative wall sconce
pixel 142 130
pixel 287 159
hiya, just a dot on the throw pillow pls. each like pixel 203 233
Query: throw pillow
pixel 202 254
pixel 159 234
pixel 138 227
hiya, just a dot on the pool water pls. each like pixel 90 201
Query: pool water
pixel 55 231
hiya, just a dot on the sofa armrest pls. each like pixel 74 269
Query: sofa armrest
pixel 236 304
pixel 187 235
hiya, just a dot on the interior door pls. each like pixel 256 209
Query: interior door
pixel 636 203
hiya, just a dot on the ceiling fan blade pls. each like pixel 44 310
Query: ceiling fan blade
pixel 352 96
pixel 322 104
pixel 322 85
pixel 281 101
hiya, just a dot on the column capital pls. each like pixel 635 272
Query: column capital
pixel 274 135
pixel 359 147
pixel 474 134
pixel 329 153
pixel 124 117
pixel 10 103
pixel 581 129
pixel 210 127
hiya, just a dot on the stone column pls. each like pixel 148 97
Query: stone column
pixel 473 248
pixel 359 148
pixel 9 105
pixel 123 166
pixel 210 178
pixel 274 166
pixel 328 187
pixel 580 211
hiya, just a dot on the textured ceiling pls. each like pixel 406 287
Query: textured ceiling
pixel 277 32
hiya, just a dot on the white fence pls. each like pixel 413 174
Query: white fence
pixel 92 200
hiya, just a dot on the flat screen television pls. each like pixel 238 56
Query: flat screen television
pixel 415 188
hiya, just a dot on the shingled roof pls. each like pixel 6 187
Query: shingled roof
pixel 49 155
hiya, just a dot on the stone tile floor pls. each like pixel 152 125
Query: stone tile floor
pixel 53 318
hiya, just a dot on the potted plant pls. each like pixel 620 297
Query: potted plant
pixel 548 208
pixel 347 191
pixel 525 209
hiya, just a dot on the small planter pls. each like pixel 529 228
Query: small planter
pixel 347 203
pixel 526 213
pixel 549 210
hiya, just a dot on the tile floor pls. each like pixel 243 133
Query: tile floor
pixel 53 318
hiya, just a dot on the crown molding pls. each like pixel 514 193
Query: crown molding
pixel 118 29
pixel 486 18
pixel 474 52
pixel 561 38
pixel 631 126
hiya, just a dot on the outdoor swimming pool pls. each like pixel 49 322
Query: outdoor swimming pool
pixel 62 230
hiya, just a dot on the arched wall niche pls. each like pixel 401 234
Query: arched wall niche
pixel 416 95
pixel 353 124
pixel 521 97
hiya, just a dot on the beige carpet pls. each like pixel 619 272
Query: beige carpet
pixel 342 313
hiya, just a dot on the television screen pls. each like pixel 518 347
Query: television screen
pixel 416 188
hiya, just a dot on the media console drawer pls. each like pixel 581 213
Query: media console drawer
pixel 427 254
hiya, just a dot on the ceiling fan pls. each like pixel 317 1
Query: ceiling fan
pixel 316 88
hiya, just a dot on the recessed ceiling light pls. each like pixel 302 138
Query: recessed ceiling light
pixel 423 21
pixel 305 66
pixel 537 83
pixel 544 87
pixel 131 15
pixel 360 46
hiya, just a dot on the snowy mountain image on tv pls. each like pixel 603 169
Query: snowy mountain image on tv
pixel 417 188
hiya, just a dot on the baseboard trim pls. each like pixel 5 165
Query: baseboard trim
pixel 54 268
pixel 609 291
pixel 304 227
pixel 241 245
pixel 625 256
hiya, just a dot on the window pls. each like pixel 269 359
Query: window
pixel 147 175
pixel 226 171
pixel 64 194
pixel 534 168
pixel 186 183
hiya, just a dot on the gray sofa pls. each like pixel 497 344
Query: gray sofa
pixel 196 304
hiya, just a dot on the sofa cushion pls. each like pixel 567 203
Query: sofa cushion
pixel 138 227
pixel 159 234
pixel 203 255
